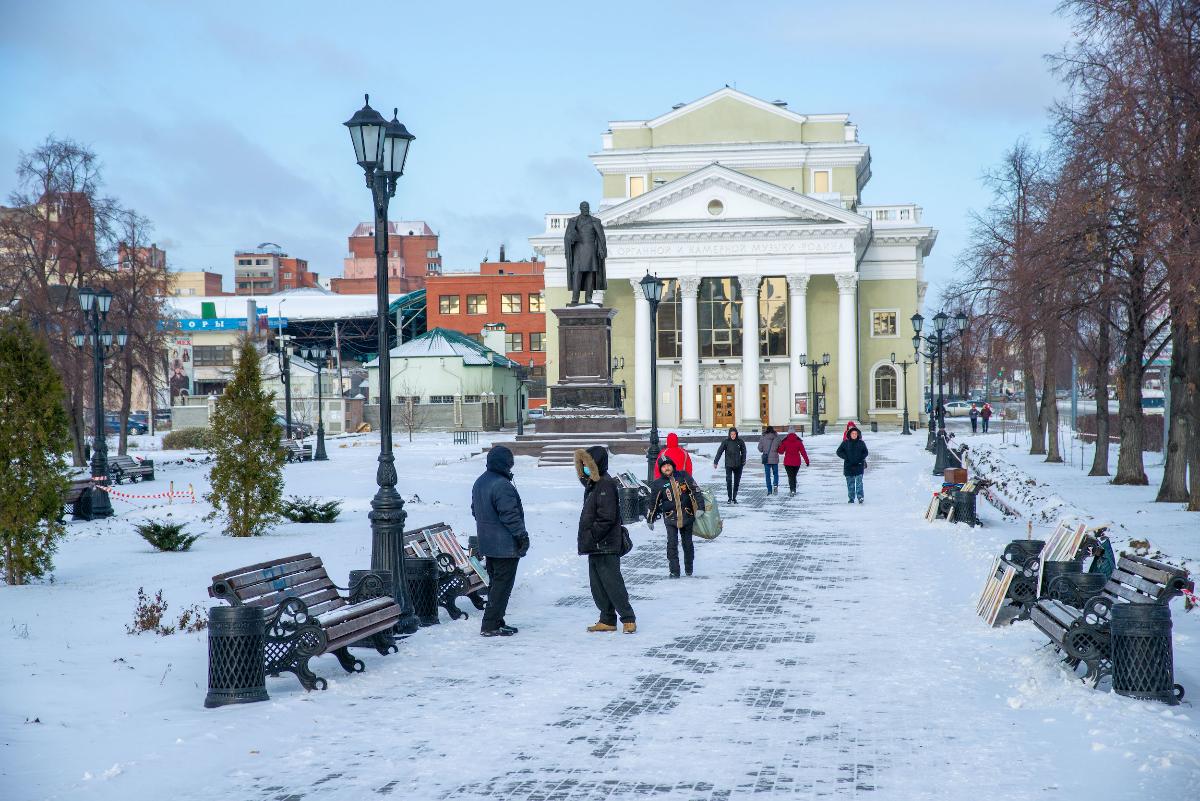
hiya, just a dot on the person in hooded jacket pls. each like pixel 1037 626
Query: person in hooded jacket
pixel 503 539
pixel 853 453
pixel 733 448
pixel 792 448
pixel 768 445
pixel 601 538
pixel 679 457
pixel 677 500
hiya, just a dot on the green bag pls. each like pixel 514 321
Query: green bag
pixel 708 523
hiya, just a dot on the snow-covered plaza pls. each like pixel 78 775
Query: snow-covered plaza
pixel 823 650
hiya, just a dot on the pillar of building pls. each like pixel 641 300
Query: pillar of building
pixel 750 417
pixel 847 357
pixel 797 341
pixel 689 291
pixel 643 354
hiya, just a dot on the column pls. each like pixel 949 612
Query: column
pixel 689 291
pixel 643 354
pixel 797 340
pixel 750 411
pixel 847 356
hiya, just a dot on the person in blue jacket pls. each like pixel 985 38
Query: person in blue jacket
pixel 503 539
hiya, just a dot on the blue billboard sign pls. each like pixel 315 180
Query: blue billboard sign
pixel 216 324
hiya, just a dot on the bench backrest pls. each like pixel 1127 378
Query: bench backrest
pixel 1144 581
pixel 268 584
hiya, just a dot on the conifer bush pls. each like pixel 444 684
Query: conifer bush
pixel 310 510
pixel 34 438
pixel 247 473
pixel 166 535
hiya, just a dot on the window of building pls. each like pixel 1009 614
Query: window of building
pixel 637 185
pixel 720 318
pixel 670 340
pixel 259 261
pixel 243 262
pixel 448 304
pixel 820 181
pixel 441 399
pixel 773 317
pixel 431 254
pixel 537 342
pixel 513 342
pixel 477 304
pixel 883 322
pixel 287 275
pixel 432 267
pixel 472 398
pixel 537 301
pixel 212 355
pixel 885 387
pixel 510 304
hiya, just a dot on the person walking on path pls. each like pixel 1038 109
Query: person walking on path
pixel 985 415
pixel 503 539
pixel 733 448
pixel 853 453
pixel 768 445
pixel 792 448
pixel 601 536
pixel 678 455
pixel 677 500
pixel 974 413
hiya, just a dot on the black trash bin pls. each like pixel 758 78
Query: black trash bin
pixel 1018 552
pixel 423 576
pixel 964 508
pixel 235 656
pixel 821 427
pixel 1052 570
pixel 1142 659
pixel 874 426
pixel 1074 589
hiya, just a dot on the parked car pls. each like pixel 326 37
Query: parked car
pixel 112 425
pixel 535 414
pixel 299 430
pixel 958 408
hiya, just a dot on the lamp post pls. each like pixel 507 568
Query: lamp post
pixel 652 290
pixel 523 380
pixel 938 341
pixel 381 148
pixel 814 367
pixel 284 355
pixel 319 356
pixel 95 305
pixel 904 366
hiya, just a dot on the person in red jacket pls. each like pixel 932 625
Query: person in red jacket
pixel 792 448
pixel 678 456
pixel 846 433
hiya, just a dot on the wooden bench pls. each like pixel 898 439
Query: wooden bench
pixel 307 617
pixel 462 573
pixel 77 498
pixel 466 437
pixel 296 451
pixel 1083 634
pixel 122 467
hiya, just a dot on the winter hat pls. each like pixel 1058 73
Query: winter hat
pixel 666 460
pixel 791 429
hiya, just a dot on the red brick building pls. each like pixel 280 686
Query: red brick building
pixel 412 256
pixel 267 270
pixel 294 274
pixel 507 292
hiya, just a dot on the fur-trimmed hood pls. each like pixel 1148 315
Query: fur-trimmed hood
pixel 595 459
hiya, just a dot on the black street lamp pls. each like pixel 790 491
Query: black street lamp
pixel 814 367
pixel 523 380
pixel 904 366
pixel 381 148
pixel 941 337
pixel 319 356
pixel 284 355
pixel 95 305
pixel 652 289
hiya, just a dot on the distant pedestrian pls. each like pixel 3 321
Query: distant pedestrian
pixel 974 414
pixel 985 415
pixel 601 538
pixel 792 448
pixel 733 448
pixel 678 455
pixel 849 426
pixel 503 539
pixel 853 453
pixel 677 500
pixel 767 445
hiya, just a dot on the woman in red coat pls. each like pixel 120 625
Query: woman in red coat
pixel 678 456
pixel 846 433
pixel 792 448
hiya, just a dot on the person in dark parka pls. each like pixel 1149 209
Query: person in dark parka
pixel 677 500
pixel 503 539
pixel 733 448
pixel 853 452
pixel 600 539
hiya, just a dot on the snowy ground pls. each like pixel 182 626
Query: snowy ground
pixel 823 650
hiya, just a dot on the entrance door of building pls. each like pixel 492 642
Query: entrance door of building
pixel 764 405
pixel 724 407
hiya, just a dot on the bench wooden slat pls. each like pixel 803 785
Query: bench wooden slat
pixel 350 611
pixel 309 592
pixel 268 574
pixel 1148 568
pixel 309 600
pixel 250 568
pixel 1047 624
pixel 361 626
pixel 1138 583
pixel 327 606
pixel 1131 595
pixel 283 583
pixel 1063 615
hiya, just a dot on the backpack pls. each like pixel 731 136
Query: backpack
pixel 708 524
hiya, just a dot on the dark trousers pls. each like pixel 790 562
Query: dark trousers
pixel 974 424
pixel 985 423
pixel 502 574
pixel 791 471
pixel 733 479
pixel 674 536
pixel 608 588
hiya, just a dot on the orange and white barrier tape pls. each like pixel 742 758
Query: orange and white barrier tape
pixel 190 492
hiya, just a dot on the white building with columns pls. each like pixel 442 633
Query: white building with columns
pixel 751 214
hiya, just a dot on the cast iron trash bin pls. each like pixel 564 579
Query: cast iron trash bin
pixel 1142 659
pixel 235 656
pixel 1053 570
pixel 423 574
pixel 1074 589
pixel 1018 552
pixel 965 510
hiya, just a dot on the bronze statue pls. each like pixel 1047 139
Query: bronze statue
pixel 586 251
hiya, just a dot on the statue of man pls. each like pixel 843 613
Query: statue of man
pixel 586 251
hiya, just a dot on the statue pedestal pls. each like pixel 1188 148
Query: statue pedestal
pixel 585 399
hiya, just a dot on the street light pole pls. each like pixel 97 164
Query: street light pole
pixel 319 355
pixel 652 290
pixel 814 367
pixel 95 305
pixel 904 366
pixel 381 148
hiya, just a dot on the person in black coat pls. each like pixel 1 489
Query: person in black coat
pixel 677 500
pixel 853 452
pixel 601 537
pixel 733 448
pixel 503 539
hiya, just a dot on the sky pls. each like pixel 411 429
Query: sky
pixel 222 121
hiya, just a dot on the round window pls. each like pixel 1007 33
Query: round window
pixel 715 207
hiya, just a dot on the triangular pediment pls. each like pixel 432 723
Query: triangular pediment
pixel 717 194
